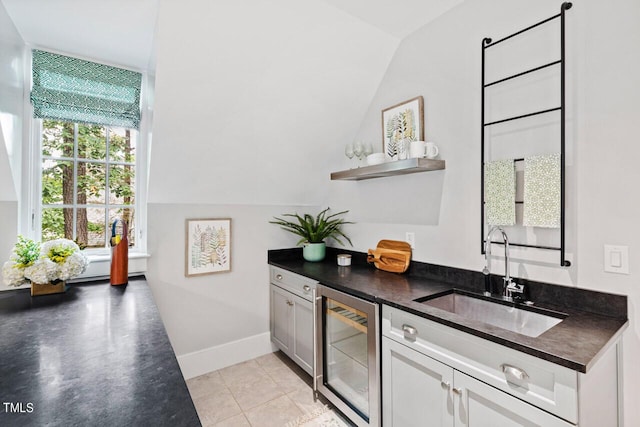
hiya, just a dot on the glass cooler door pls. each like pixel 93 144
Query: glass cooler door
pixel 347 349
pixel 346 362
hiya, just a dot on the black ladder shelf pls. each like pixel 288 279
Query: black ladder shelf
pixel 488 43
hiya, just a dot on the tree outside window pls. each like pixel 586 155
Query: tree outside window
pixel 88 181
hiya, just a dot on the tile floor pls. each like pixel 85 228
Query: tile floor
pixel 269 391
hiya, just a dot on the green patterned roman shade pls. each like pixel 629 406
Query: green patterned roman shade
pixel 76 90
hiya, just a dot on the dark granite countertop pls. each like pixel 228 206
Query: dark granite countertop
pixel 96 355
pixel 594 320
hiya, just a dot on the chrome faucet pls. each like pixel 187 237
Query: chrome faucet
pixel 510 287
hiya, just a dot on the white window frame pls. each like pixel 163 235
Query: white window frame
pixel 107 163
pixel 30 203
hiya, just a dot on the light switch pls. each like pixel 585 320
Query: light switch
pixel 616 259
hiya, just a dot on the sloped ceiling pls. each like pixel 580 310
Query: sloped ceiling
pixel 122 31
pixel 251 107
pixel 398 18
pixel 119 32
pixel 272 87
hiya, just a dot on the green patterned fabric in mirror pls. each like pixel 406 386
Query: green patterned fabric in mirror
pixel 75 90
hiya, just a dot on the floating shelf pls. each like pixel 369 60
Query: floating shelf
pixel 395 167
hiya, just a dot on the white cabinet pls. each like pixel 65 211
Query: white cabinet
pixel 292 316
pixel 415 388
pixel 434 375
pixel 302 333
pixel 281 318
pixel 477 404
pixel 420 391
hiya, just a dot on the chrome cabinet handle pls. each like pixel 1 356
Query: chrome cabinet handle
pixel 278 276
pixel 457 391
pixel 408 329
pixel 289 303
pixel 512 371
pixel 306 288
pixel 445 384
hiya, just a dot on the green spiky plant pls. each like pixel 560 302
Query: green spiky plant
pixel 315 229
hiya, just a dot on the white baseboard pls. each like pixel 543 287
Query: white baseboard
pixel 213 358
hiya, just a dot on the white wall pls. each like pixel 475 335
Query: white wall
pixel 250 104
pixel 209 315
pixel 442 62
pixel 11 111
pixel 250 97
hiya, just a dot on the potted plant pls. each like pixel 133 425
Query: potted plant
pixel 46 267
pixel 314 230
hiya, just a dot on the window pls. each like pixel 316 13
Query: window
pixel 87 156
pixel 88 179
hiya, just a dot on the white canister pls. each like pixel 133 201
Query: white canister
pixel 403 149
pixel 344 259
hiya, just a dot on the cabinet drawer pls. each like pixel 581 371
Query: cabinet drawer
pixel 544 384
pixel 294 283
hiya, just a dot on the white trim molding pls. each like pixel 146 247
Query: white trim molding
pixel 213 358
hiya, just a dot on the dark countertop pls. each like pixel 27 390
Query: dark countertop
pixel 96 355
pixel 576 342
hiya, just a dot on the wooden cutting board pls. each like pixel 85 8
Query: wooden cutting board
pixel 391 255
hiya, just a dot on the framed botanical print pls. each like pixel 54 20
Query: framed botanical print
pixel 402 123
pixel 208 246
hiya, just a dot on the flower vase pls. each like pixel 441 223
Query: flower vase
pixel 48 288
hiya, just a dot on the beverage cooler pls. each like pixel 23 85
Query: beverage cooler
pixel 346 364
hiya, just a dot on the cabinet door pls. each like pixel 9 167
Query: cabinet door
pixel 281 303
pixel 480 405
pixel 302 335
pixel 416 389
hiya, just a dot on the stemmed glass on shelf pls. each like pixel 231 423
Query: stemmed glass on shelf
pixel 368 149
pixel 358 150
pixel 348 151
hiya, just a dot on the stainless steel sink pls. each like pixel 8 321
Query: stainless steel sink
pixel 507 317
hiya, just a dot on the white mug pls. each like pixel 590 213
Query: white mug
pixel 431 150
pixel 417 149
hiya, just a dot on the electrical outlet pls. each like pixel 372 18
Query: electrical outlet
pixel 410 238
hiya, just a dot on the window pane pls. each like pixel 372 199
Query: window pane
pixel 83 180
pixel 122 145
pixel 91 228
pixel 91 183
pixel 92 142
pixel 57 182
pixel 122 185
pixel 57 138
pixel 57 223
pixel 127 215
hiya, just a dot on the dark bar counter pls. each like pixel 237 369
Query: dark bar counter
pixel 96 355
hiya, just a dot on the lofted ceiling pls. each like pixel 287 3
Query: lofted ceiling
pixel 398 18
pixel 121 32
pixel 118 32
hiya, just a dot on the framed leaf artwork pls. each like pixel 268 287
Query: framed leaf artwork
pixel 208 246
pixel 403 121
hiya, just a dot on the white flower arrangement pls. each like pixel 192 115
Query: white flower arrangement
pixel 52 261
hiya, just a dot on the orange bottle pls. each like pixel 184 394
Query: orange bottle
pixel 119 254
